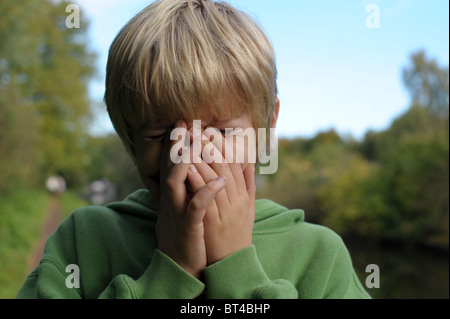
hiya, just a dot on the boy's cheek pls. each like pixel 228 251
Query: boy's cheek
pixel 148 166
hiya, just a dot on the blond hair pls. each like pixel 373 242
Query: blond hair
pixel 176 55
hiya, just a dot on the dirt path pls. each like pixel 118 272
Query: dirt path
pixel 50 224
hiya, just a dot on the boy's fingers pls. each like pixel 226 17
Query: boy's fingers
pixel 177 178
pixel 202 199
pixel 174 175
pixel 235 166
pixel 208 174
pixel 249 176
pixel 231 170
pixel 228 153
pixel 195 179
pixel 210 152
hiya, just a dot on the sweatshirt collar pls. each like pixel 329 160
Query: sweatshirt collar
pixel 268 213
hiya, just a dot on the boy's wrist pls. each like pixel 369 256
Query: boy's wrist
pixel 236 275
pixel 164 278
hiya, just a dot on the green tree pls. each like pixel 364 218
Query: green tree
pixel 405 196
pixel 44 72
pixel 305 165
pixel 18 152
pixel 427 83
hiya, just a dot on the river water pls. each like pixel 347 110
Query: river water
pixel 404 272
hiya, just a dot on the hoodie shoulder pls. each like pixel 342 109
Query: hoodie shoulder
pixel 270 216
pixel 140 204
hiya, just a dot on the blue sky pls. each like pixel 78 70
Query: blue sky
pixel 334 71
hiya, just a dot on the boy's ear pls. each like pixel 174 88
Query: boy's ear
pixel 275 113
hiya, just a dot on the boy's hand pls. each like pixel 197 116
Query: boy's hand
pixel 180 228
pixel 229 218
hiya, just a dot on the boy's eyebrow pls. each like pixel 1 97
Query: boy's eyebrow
pixel 155 125
pixel 166 125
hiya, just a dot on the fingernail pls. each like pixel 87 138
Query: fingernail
pixel 193 169
pixel 221 179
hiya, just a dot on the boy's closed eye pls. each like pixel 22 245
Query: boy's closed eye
pixel 154 132
pixel 156 135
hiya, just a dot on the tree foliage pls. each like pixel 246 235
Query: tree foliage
pixel 393 185
pixel 44 105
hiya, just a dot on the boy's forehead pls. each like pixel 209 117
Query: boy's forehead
pixel 211 113
pixel 208 114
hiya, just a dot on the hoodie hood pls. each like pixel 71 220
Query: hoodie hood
pixel 269 216
pixel 139 204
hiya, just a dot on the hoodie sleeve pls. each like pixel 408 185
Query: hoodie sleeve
pixel 161 279
pixel 241 276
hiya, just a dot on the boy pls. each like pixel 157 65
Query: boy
pixel 177 69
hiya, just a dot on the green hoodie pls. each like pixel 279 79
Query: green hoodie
pixel 114 247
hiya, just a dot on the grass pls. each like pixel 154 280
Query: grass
pixel 22 214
